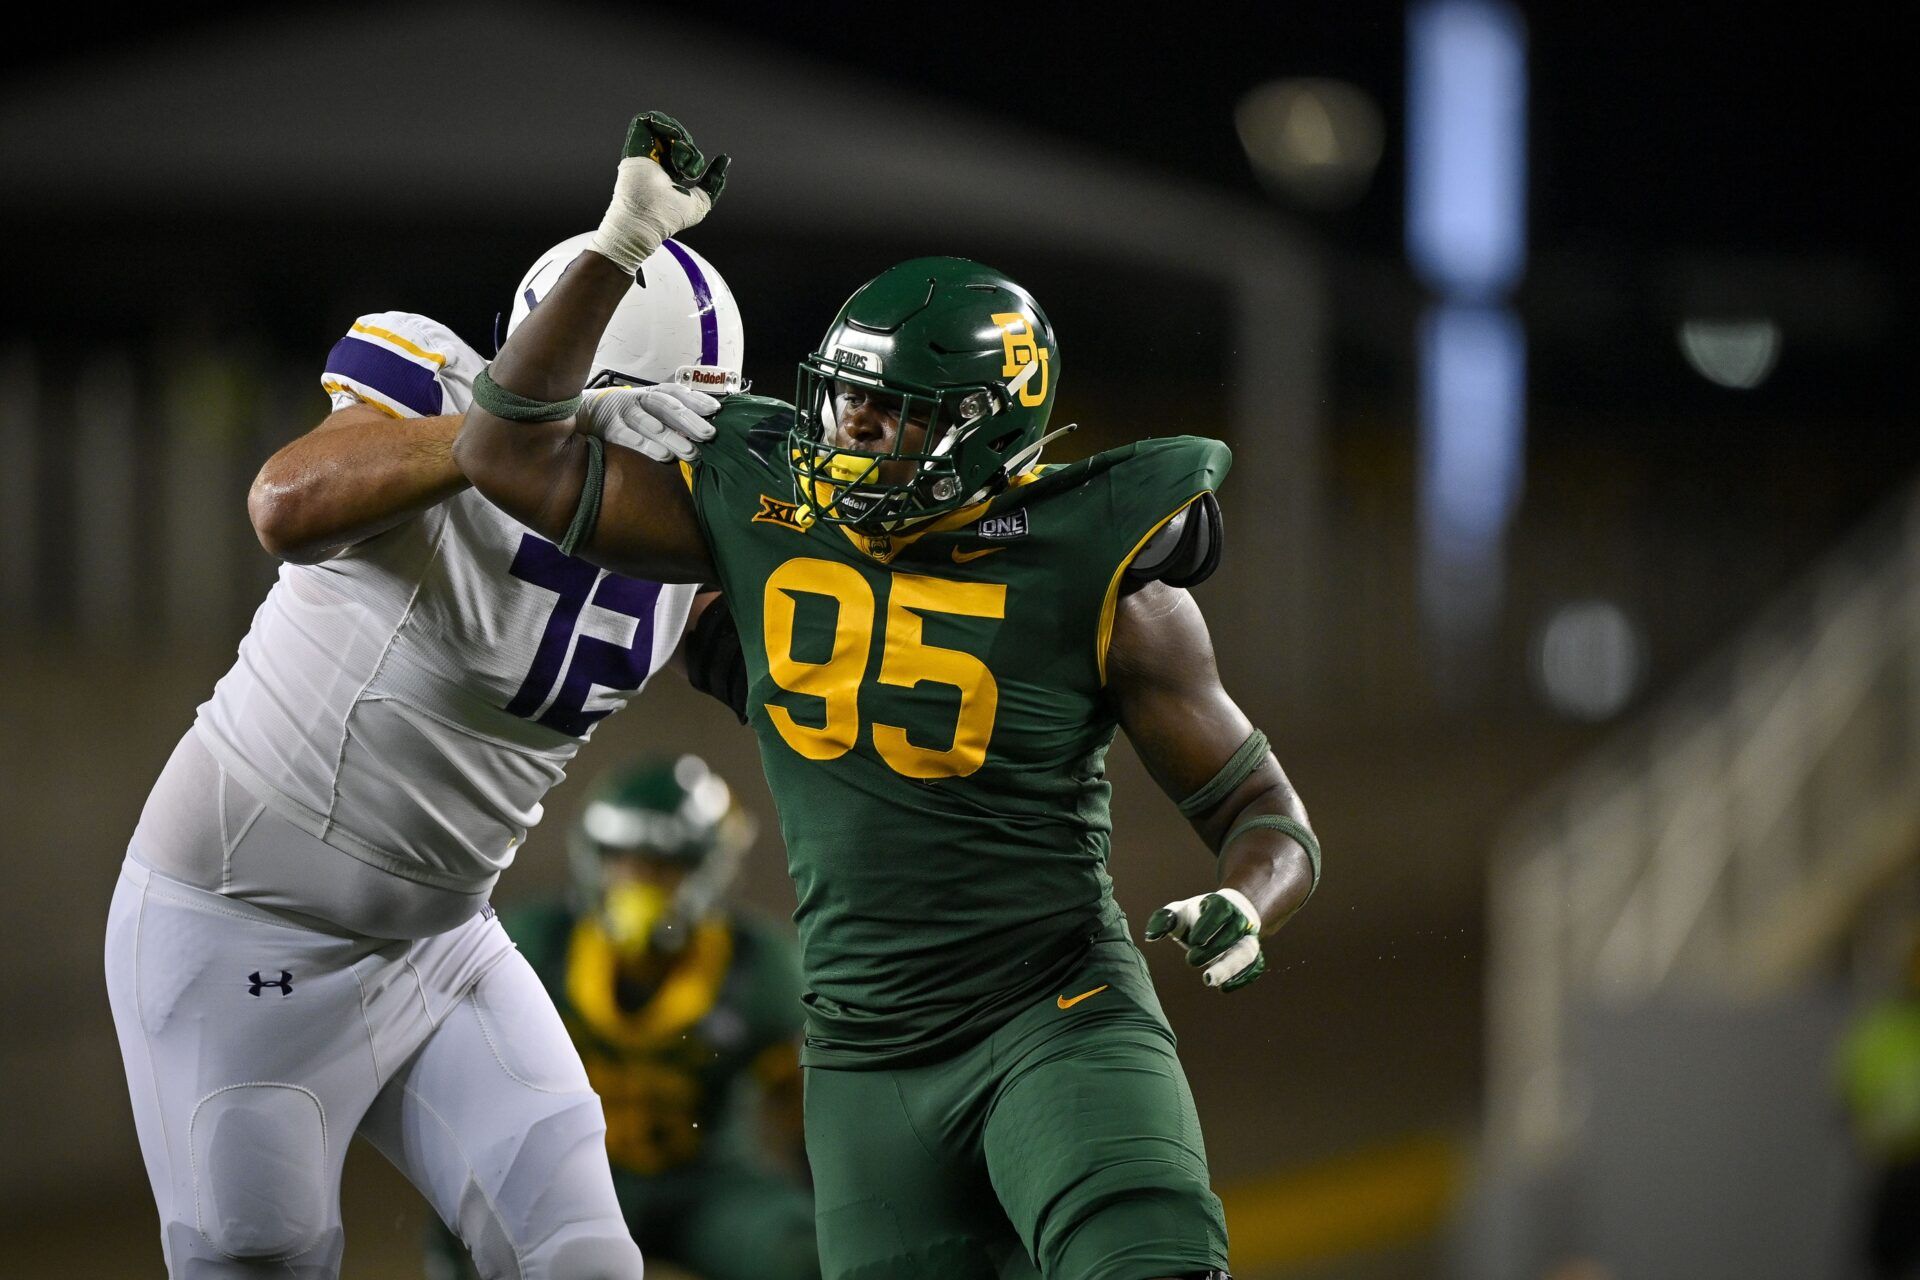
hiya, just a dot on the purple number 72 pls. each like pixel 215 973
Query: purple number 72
pixel 595 661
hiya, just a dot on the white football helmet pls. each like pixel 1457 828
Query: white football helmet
pixel 678 324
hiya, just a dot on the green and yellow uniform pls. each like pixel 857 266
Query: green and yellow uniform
pixel 1878 1065
pixel 676 1077
pixel 933 721
pixel 1879 1071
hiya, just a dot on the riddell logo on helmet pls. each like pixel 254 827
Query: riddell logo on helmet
pixel 707 377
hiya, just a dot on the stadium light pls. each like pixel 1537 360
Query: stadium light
pixel 1466 146
pixel 1738 354
pixel 1588 659
pixel 1466 237
pixel 1315 141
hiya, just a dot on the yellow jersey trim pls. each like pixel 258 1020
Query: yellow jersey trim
pixel 686 995
pixel 340 388
pixel 398 341
pixel 1112 602
pixel 686 473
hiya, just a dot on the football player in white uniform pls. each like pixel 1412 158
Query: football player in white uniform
pixel 299 946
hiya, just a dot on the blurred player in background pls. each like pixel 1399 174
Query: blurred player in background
pixel 299 946
pixel 1879 1070
pixel 942 636
pixel 687 1014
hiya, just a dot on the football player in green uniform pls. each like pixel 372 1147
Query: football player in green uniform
pixel 941 636
pixel 687 1016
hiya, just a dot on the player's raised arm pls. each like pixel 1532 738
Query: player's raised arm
pixel 518 444
pixel 1208 757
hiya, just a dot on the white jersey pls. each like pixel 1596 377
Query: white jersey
pixel 412 700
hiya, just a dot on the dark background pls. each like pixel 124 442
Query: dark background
pixel 1727 158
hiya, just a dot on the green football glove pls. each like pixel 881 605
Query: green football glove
pixel 664 186
pixel 1222 933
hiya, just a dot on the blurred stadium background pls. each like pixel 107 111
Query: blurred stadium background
pixel 1575 556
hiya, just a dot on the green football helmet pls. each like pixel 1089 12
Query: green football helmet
pixel 676 815
pixel 967 352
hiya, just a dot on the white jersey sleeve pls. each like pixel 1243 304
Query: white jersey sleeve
pixel 404 365
pixel 411 700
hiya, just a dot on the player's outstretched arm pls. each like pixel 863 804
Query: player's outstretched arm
pixel 1204 753
pixel 357 474
pixel 517 443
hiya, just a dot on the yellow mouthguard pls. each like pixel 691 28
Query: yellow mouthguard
pixel 850 468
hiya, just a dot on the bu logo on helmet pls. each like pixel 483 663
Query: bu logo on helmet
pixel 1025 359
pixel 257 984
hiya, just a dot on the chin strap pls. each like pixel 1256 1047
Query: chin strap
pixel 1031 454
pixel 1017 464
pixel 1013 466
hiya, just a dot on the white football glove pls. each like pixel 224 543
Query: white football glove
pixel 664 186
pixel 1222 933
pixel 663 422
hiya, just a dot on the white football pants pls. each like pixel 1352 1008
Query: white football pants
pixel 256 1046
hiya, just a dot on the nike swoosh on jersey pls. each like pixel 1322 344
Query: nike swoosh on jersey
pixel 961 557
pixel 1065 1003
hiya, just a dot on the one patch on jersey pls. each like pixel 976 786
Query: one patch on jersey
pixel 1008 524
pixel 785 514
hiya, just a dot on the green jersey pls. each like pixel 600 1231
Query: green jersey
pixel 668 1072
pixel 934 724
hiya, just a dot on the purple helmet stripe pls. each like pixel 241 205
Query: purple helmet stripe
pixel 702 298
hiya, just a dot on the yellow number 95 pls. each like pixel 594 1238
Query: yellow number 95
pixel 906 660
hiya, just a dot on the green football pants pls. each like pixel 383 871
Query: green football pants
pixel 1064 1145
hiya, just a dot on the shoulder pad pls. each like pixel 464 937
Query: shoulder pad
pixel 1186 549
pixel 759 423
pixel 403 364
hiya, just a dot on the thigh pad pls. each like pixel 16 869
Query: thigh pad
pixel 260 1170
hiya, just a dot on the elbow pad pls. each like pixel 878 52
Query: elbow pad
pixel 1186 551
pixel 715 664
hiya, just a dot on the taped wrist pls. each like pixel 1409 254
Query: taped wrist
pixel 587 514
pixel 1299 831
pixel 716 666
pixel 1238 768
pixel 646 209
pixel 502 403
